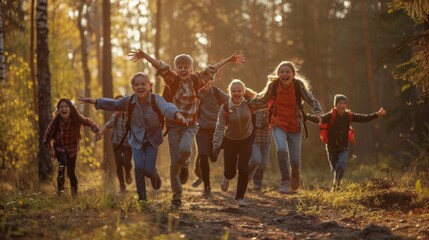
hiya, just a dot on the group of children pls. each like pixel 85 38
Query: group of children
pixel 240 123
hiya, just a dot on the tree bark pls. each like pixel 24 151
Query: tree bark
pixel 44 89
pixel 158 41
pixel 33 76
pixel 370 76
pixel 85 35
pixel 106 73
pixel 3 68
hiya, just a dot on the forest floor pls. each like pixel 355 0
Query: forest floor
pixel 371 210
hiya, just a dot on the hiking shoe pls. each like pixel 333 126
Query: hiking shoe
pixel 128 178
pixel 207 191
pixel 224 185
pixel 175 203
pixel 156 182
pixel 184 175
pixel 241 203
pixel 294 184
pixel 197 182
pixel 284 187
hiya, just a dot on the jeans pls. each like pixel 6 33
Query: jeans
pixel 288 152
pixel 123 163
pixel 180 141
pixel 68 163
pixel 238 153
pixel 337 161
pixel 144 166
pixel 258 162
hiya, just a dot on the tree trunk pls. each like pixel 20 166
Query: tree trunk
pixel 3 68
pixel 370 76
pixel 158 41
pixel 85 34
pixel 44 89
pixel 32 75
pixel 106 72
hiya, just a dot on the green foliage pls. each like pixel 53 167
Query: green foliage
pixel 416 9
pixel 416 69
pixel 17 118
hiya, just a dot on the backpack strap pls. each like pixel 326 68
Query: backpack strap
pixel 297 84
pixel 333 116
pixel 226 113
pixel 130 110
pixel 158 112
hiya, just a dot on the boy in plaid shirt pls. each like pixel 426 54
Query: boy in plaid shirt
pixel 181 136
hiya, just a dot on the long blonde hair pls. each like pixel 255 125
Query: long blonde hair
pixel 275 75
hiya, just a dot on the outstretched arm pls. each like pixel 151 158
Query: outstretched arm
pixel 234 58
pixel 139 54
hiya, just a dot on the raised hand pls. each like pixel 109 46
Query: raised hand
pixel 381 112
pixel 237 58
pixel 136 55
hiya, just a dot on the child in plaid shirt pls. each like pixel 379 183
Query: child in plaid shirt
pixel 185 97
pixel 64 130
pixel 260 150
pixel 123 154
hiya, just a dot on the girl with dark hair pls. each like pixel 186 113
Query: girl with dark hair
pixel 64 130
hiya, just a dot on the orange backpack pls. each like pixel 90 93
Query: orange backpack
pixel 324 127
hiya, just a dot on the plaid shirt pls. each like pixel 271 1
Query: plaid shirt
pixel 186 99
pixel 118 130
pixel 262 131
pixel 66 136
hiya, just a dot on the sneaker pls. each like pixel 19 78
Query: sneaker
pixel 197 182
pixel 241 203
pixel 175 203
pixel 294 184
pixel 128 179
pixel 156 182
pixel 284 187
pixel 224 185
pixel 207 191
pixel 184 175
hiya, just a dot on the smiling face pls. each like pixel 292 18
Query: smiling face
pixel 64 110
pixel 237 92
pixel 141 86
pixel 184 70
pixel 286 74
pixel 341 106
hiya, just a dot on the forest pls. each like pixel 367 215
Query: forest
pixel 374 52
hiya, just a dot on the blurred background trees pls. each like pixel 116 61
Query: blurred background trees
pixel 363 49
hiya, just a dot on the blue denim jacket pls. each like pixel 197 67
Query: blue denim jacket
pixel 144 125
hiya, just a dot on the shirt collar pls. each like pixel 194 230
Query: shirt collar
pixel 231 104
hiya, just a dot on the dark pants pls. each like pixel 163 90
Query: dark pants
pixel 68 163
pixel 238 153
pixel 205 146
pixel 123 163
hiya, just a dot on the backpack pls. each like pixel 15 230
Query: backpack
pixel 216 93
pixel 324 127
pixel 130 110
pixel 226 116
pixel 271 103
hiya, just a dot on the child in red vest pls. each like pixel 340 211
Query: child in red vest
pixel 336 134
